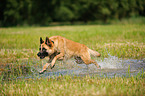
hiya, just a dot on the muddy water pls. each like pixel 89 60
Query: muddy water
pixel 110 67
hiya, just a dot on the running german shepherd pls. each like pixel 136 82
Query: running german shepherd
pixel 60 48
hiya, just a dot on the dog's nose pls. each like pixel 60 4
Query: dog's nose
pixel 38 54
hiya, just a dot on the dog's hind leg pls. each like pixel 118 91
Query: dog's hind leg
pixel 87 60
pixel 78 60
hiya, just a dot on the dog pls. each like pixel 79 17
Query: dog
pixel 60 48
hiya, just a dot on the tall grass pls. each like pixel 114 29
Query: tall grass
pixel 18 46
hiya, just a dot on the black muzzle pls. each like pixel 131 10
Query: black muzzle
pixel 42 55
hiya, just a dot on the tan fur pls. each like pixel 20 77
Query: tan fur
pixel 67 49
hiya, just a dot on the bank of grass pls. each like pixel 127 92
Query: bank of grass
pixel 76 86
pixel 123 41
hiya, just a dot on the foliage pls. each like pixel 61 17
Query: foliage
pixel 21 12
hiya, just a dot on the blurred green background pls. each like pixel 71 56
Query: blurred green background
pixel 54 12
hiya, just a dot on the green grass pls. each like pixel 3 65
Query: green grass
pixel 77 86
pixel 124 41
pixel 20 45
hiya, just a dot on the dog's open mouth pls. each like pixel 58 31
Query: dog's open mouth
pixel 41 57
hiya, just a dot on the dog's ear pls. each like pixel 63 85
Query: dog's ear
pixel 48 42
pixel 41 41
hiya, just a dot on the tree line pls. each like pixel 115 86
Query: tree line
pixel 44 12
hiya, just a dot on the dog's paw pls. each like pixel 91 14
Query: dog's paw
pixel 99 67
pixel 41 72
pixel 52 66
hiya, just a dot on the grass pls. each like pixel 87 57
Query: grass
pixel 20 45
pixel 124 41
pixel 77 86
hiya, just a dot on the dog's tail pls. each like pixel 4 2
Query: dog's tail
pixel 94 53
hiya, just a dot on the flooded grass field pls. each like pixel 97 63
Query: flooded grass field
pixel 110 67
pixel 122 61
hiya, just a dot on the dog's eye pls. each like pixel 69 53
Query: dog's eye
pixel 44 49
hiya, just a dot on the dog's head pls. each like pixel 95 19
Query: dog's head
pixel 46 48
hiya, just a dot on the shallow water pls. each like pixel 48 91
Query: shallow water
pixel 110 67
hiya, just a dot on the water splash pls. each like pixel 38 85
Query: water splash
pixel 110 66
pixel 112 62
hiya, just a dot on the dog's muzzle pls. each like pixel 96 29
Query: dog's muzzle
pixel 42 55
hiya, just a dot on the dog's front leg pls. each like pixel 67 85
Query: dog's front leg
pixel 55 58
pixel 44 68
